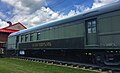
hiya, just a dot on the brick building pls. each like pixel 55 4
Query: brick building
pixel 4 32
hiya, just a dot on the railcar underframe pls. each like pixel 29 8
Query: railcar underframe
pixel 93 56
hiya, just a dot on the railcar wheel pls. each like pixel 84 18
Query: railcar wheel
pixel 99 60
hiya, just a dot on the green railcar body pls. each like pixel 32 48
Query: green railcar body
pixel 97 31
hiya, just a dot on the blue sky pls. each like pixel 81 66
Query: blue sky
pixel 64 6
pixel 61 6
pixel 5 9
pixel 35 12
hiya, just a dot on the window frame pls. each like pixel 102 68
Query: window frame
pixel 91 28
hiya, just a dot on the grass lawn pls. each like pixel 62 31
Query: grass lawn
pixel 9 65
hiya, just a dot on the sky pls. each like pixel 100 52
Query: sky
pixel 35 12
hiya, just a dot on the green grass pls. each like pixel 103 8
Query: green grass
pixel 9 65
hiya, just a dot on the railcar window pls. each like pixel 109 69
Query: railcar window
pixel 94 23
pixel 94 29
pixel 51 28
pixel 31 37
pixel 38 35
pixel 89 30
pixel 22 38
pixel 26 38
pixel 91 26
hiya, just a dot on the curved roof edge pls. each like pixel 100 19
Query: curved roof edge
pixel 92 12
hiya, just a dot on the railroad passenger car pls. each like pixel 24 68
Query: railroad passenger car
pixel 91 37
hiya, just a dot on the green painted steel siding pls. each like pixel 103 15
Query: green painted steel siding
pixel 115 23
pixel 42 35
pixel 61 32
pixel 109 29
pixel 51 34
pixel 109 22
pixel 55 33
pixel 104 25
pixel 12 42
pixel 80 30
pixel 116 40
pixel 58 32
pixel 68 32
pixel 46 34
pixel 105 40
pixel 73 30
pixel 112 40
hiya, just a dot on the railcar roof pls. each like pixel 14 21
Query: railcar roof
pixel 92 12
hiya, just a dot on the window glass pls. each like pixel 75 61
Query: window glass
pixel 91 26
pixel 38 35
pixel 94 29
pixel 31 37
pixel 94 23
pixel 22 38
pixel 51 28
pixel 26 38
pixel 89 30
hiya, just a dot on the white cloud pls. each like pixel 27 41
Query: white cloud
pixel 3 24
pixel 40 16
pixel 71 13
pixel 98 3
pixel 25 6
pixel 31 12
pixel 81 7
pixel 2 15
pixel 35 19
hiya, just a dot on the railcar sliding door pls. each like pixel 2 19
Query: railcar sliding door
pixel 91 32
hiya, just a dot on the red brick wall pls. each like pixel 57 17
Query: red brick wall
pixel 3 37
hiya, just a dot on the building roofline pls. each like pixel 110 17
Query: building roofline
pixel 8 30
pixel 14 25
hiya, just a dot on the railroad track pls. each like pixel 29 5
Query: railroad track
pixel 91 67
